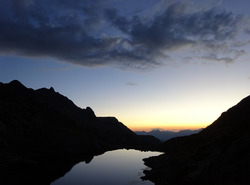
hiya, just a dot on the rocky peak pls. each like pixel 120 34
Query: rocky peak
pixel 16 84
pixel 52 89
pixel 90 112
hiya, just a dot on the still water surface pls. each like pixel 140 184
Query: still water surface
pixel 119 167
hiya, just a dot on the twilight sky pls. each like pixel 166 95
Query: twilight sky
pixel 151 63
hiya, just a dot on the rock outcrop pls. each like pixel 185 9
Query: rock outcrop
pixel 217 155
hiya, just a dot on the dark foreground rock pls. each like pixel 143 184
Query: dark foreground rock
pixel 218 155
pixel 40 129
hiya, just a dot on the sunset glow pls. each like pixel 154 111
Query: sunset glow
pixel 151 64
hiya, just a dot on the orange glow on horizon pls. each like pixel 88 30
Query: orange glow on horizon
pixel 169 128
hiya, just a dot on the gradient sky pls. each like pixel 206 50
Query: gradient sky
pixel 150 63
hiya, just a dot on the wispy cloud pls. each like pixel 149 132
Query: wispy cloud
pixel 55 69
pixel 94 33
pixel 131 84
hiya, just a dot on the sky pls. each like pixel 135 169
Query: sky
pixel 152 64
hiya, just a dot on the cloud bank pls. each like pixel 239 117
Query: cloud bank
pixel 94 32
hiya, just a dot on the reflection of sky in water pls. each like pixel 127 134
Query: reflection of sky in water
pixel 123 167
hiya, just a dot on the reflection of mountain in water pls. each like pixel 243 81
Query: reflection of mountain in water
pixel 44 133
pixel 118 167
pixel 217 155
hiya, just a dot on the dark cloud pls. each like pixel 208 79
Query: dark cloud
pixel 92 32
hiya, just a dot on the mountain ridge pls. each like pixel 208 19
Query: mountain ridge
pixel 219 154
pixel 39 128
pixel 165 135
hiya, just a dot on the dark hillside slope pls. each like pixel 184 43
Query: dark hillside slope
pixel 42 126
pixel 220 154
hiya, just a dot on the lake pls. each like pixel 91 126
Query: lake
pixel 123 167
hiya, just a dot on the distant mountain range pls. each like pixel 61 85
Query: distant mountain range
pixel 43 134
pixel 165 135
pixel 218 155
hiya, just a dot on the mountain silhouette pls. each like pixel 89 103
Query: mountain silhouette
pixel 41 128
pixel 219 154
pixel 164 135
